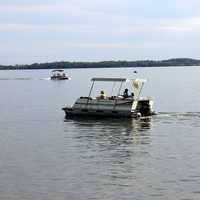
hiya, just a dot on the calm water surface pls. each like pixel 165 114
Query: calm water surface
pixel 45 157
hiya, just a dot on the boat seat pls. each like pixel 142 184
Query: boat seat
pixel 112 98
pixel 90 98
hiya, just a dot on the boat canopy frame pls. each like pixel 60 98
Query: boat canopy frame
pixel 58 70
pixel 121 80
pixel 110 79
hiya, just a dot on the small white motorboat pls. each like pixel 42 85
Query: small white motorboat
pixel 120 105
pixel 59 74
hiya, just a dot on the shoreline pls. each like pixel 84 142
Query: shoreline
pixel 178 62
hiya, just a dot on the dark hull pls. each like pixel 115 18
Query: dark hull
pixel 59 78
pixel 84 113
pixel 114 108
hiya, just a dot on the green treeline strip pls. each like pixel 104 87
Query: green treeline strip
pixel 105 64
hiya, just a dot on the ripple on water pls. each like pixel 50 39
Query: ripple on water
pixel 185 118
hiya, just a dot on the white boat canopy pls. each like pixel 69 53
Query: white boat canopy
pixel 58 70
pixel 110 79
pixel 118 80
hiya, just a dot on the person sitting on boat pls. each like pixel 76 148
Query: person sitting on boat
pixel 102 95
pixel 126 93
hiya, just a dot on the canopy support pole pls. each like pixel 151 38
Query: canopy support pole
pixel 117 95
pixel 89 95
pixel 140 90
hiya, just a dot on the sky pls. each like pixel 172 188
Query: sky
pixel 37 31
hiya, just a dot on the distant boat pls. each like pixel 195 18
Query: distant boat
pixel 113 106
pixel 59 74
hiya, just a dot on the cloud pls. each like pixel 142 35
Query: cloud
pixel 191 25
pixel 96 27
pixel 130 8
pixel 67 7
pixel 40 28
pixel 122 29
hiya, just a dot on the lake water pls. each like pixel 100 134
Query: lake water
pixel 44 157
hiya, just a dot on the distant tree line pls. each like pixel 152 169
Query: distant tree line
pixel 105 64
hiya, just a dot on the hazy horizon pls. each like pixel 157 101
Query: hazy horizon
pixel 156 60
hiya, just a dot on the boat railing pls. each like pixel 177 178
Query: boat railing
pixel 89 98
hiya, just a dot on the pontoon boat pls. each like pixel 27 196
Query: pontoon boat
pixel 113 106
pixel 59 74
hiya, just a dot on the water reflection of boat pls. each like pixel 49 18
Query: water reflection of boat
pixel 129 125
pixel 59 74
pixel 113 106
pixel 115 131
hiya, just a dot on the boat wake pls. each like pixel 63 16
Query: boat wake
pixel 45 79
pixel 191 118
pixel 25 79
pixel 178 114
pixel 9 79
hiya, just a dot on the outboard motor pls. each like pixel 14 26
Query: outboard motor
pixel 144 107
